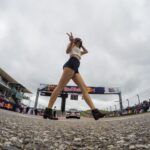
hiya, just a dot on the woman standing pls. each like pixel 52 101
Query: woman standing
pixel 70 71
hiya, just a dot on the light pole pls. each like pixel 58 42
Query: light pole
pixel 138 98
pixel 128 102
pixel 116 105
pixel 110 108
pixel 107 109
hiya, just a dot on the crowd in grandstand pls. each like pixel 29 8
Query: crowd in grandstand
pixel 142 107
pixel 136 109
pixel 7 104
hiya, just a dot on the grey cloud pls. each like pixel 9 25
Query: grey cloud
pixel 116 33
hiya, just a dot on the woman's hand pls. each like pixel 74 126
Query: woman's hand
pixel 70 37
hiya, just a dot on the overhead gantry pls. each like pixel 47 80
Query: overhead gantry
pixel 46 90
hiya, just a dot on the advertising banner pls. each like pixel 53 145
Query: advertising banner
pixel 47 90
pixel 109 90
pixel 71 89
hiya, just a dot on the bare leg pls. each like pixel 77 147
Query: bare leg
pixel 79 81
pixel 66 76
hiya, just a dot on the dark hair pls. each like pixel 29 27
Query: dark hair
pixel 76 40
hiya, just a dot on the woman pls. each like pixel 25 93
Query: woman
pixel 70 71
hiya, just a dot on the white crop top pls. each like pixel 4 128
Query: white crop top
pixel 76 51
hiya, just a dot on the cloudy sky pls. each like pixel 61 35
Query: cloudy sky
pixel 115 32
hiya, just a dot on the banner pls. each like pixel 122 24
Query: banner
pixel 74 97
pixel 111 90
pixel 47 90
pixel 73 89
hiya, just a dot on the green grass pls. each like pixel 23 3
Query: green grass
pixel 87 113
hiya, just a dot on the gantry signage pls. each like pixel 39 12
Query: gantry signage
pixel 47 90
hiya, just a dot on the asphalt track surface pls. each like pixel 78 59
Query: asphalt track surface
pixel 28 132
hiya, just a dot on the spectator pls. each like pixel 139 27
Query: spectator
pixel 21 109
pixel 138 108
pixel 27 109
pixel 145 106
pixel 30 112
pixel 35 111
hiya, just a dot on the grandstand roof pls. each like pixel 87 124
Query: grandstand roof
pixel 11 80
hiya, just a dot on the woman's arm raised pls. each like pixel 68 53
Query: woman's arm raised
pixel 71 39
pixel 69 47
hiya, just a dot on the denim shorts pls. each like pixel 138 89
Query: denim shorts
pixel 73 63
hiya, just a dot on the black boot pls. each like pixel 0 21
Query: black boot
pixel 48 114
pixel 97 114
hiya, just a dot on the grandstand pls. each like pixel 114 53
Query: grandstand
pixel 11 91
